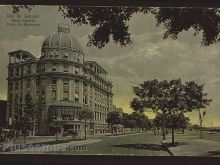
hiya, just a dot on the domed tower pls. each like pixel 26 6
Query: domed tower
pixel 62 45
pixel 62 81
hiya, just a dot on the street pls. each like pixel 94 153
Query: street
pixel 142 144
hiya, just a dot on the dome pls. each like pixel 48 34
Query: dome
pixel 62 39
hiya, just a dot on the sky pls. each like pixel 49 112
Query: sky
pixel 147 58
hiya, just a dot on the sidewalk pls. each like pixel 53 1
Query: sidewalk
pixel 188 145
pixel 54 148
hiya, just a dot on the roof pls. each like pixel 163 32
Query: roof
pixel 62 39
pixel 25 54
pixel 93 62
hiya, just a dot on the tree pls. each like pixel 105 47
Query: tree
pixel 128 122
pixel 28 116
pixel 113 22
pixel 114 118
pixel 55 125
pixel 197 99
pixel 85 116
pixel 170 98
pixel 195 127
pixel 142 121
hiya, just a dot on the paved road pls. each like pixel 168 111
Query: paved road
pixel 144 144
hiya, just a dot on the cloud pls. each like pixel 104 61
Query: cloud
pixel 147 58
pixel 30 43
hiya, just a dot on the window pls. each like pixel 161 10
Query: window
pixel 22 71
pixel 37 82
pixel 54 89
pixel 56 53
pixel 17 72
pixel 54 94
pixel 43 53
pixel 76 97
pixel 11 72
pixel 77 86
pixel 76 70
pixel 16 85
pixel 65 89
pixel 78 59
pixel 65 95
pixel 66 67
pixel 66 55
pixel 51 54
pixel 38 68
pixel 37 93
pixel 74 56
pixel 43 94
pixel 54 67
pixel 54 82
pixel 21 84
pixel 76 91
pixel 28 83
pixel 43 67
pixel 28 68
pixel 66 85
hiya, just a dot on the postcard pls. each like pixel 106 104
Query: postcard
pixel 133 81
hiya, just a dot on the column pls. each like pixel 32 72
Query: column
pixel 80 92
pixel 71 91
pixel 88 95
pixel 59 89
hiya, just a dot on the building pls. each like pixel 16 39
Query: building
pixel 3 108
pixel 60 82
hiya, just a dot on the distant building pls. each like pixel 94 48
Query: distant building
pixel 119 110
pixel 3 109
pixel 60 82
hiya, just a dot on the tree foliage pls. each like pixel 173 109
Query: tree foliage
pixel 55 125
pixel 170 98
pixel 113 22
pixel 177 122
pixel 86 116
pixel 114 118
pixel 28 115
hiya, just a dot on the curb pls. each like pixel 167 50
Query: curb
pixel 168 150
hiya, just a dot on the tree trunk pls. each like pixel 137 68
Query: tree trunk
pixel 200 124
pixel 201 135
pixel 172 135
pixel 34 129
pixel 25 138
pixel 112 130
pixel 163 129
pixel 85 130
pixel 57 136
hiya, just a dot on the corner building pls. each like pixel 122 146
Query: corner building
pixel 61 83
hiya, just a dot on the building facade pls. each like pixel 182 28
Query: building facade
pixel 3 108
pixel 61 84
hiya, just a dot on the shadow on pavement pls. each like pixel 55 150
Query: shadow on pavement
pixel 151 147
pixel 212 153
pixel 174 145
